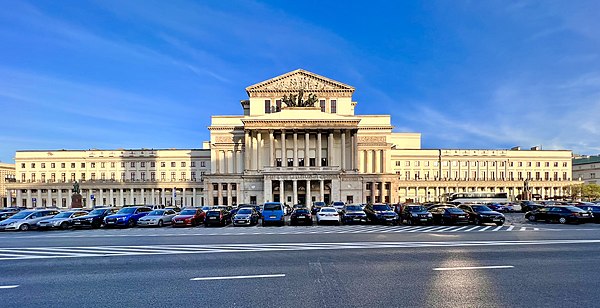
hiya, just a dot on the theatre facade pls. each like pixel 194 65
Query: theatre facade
pixel 296 140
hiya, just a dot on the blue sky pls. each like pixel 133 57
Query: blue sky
pixel 133 74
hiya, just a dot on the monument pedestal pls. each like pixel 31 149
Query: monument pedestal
pixel 76 201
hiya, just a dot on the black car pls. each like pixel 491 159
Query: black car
pixel 94 219
pixel 560 214
pixel 479 214
pixel 219 217
pixel 317 206
pixel 592 209
pixel 527 205
pixel 415 215
pixel 381 213
pixel 449 215
pixel 353 213
pixel 301 216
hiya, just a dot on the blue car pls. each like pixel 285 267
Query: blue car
pixel 273 212
pixel 126 217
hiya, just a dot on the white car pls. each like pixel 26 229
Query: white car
pixel 328 214
pixel 157 218
pixel 338 205
pixel 26 219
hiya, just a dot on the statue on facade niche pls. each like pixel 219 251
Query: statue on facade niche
pixel 294 100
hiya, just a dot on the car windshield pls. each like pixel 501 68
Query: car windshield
pixel 127 210
pixel 272 207
pixel 481 208
pixel 301 211
pixel 329 210
pixel 157 213
pixel 245 211
pixel 97 212
pixel 338 203
pixel 213 213
pixel 417 208
pixel 454 210
pixel 354 208
pixel 319 203
pixel 63 215
pixel 21 215
pixel 381 207
pixel 188 212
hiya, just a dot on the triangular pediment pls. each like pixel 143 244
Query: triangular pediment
pixel 299 80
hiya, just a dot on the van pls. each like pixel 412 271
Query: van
pixel 273 212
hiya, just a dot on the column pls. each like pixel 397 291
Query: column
pixel 222 162
pixel 295 150
pixel 373 191
pixel 383 161
pixel 318 150
pixel 120 197
pixel 247 150
pixel 163 198
pixel 343 139
pixel 306 143
pixel 141 196
pixel 281 191
pixel 152 197
pixel 220 194
pixel 183 195
pixel 322 190
pixel 308 196
pixel 283 150
pixel 110 194
pixel 68 200
pixel 19 197
pixel 209 194
pixel 355 158
pixel 295 192
pixel 267 190
pixel 101 197
pixel 194 197
pixel 258 148
pixel 361 162
pixel 233 160
pixel 29 201
pixel 49 196
pixel 229 194
pixel 271 149
pixel 131 196
pixel 377 161
pixel 330 149
pixel 229 165
pixel 58 199
pixel 39 197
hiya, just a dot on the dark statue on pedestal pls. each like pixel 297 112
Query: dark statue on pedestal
pixel 296 100
pixel 76 199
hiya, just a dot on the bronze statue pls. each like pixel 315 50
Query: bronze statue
pixel 294 100
pixel 76 187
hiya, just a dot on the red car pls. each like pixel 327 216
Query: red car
pixel 188 217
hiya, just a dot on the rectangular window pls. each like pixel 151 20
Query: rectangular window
pixel 93 176
pixel 52 165
pixel 102 176
pixel 547 164
pixel 173 164
pixel 278 105
pixel 82 165
pixel 93 165
pixel 112 164
pixel 202 164
pixel 62 165
pixel 267 106
pixel 564 176
pixel 278 162
pixel 215 186
pixel 83 176
pixel 193 175
pixel 301 162
pixel 63 177
pixel 173 176
pixel 72 165
pixel 152 164
pixel 290 162
pixel 143 164
pixel 183 176
pixel 233 186
pixel 72 176
pixel 407 175
pixel 333 106
pixel 102 165
pixel 182 164
pixel 132 164
pixel 564 164
pixel 23 165
pixel 32 165
pixel 520 164
pixel 322 105
pixel 312 162
pixel 43 177
pixel 224 186
pixel 43 165
pixel 112 176
pixel 143 176
pixel 122 176
pixel 538 164
pixel 152 176
pixel 193 164
pixel 163 164
pixel 163 176
pixel 122 164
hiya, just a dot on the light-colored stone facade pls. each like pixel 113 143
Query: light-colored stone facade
pixel 7 175
pixel 587 169
pixel 274 152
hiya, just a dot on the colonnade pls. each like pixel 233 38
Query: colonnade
pixel 319 193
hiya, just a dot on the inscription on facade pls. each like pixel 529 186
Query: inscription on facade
pixel 224 139
pixel 371 139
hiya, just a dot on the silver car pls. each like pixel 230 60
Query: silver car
pixel 26 219
pixel 157 218
pixel 62 220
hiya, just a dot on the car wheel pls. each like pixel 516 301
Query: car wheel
pixel 95 225
pixel 64 225
pixel 409 221
pixel 160 223
pixel 562 220
pixel 24 227
pixel 477 221
pixel 531 218
pixel 130 223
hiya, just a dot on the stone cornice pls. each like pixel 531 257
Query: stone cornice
pixel 300 124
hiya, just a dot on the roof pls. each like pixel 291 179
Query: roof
pixel 586 160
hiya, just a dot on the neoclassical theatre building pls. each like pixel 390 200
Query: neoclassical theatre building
pixel 297 140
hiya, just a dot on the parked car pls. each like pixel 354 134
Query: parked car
pixel 528 205
pixel 273 212
pixel 126 217
pixel 328 214
pixel 513 207
pixel 94 219
pixel 189 217
pixel 207 208
pixel 62 220
pixel 246 216
pixel 338 205
pixel 415 214
pixel 157 218
pixel 353 213
pixel 449 215
pixel 220 217
pixel 26 220
pixel 301 216
pixel 561 214
pixel 479 214
pixel 498 207
pixel 381 213
pixel 7 212
pixel 317 205
pixel 594 210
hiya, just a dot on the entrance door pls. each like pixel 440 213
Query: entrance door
pixel 327 198
pixel 302 199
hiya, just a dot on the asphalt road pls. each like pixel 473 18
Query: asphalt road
pixel 555 265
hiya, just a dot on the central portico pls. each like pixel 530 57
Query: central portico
pixel 298 142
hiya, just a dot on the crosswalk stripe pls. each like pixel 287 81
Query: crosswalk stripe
pixel 484 228
pixel 497 228
pixel 510 228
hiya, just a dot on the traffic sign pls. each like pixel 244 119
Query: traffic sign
pixel 33 199
pixel 92 197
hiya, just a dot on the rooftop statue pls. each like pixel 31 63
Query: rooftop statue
pixel 294 100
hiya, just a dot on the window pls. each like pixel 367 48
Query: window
pixel 132 164
pixel 202 164
pixel 520 164
pixel 555 164
pixel 83 176
pixel 162 176
pixel 290 162
pixel 528 164
pixel 322 105
pixel 407 163
pixel 215 186
pixel 112 164
pixel 102 176
pixel 173 164
pixel 102 165
pixel 398 163
pixel 564 164
pixel 112 176
pixel 564 176
pixel 224 186
pixel 301 162
pixel 143 176
pixel 123 164
pixel 183 176
pixel 32 165
pixel 173 176
pixel 278 105
pixel 407 175
pixel 93 165
pixel 368 186
pixel 72 165
pixel 182 164
pixel 82 165
pixel 23 165
pixel 163 164
pixel 122 176
pixel 233 186
pixel 62 165
pixel 538 164
pixel 278 162
pixel 193 164
pixel 72 176
pixel 193 175
pixel 43 165
pixel 312 162
pixel 143 164
pixel 152 176
pixel 152 164
pixel 52 165
pixel 333 106
pixel 267 106
pixel 547 164
pixel 93 176
pixel 43 177
pixel 546 176
pixel 537 176
pixel 512 164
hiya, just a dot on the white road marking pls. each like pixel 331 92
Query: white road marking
pixel 238 277
pixel 523 229
pixel 472 268
pixel 510 228
pixel 472 229
pixel 484 228
pixel 497 228
pixel 9 287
